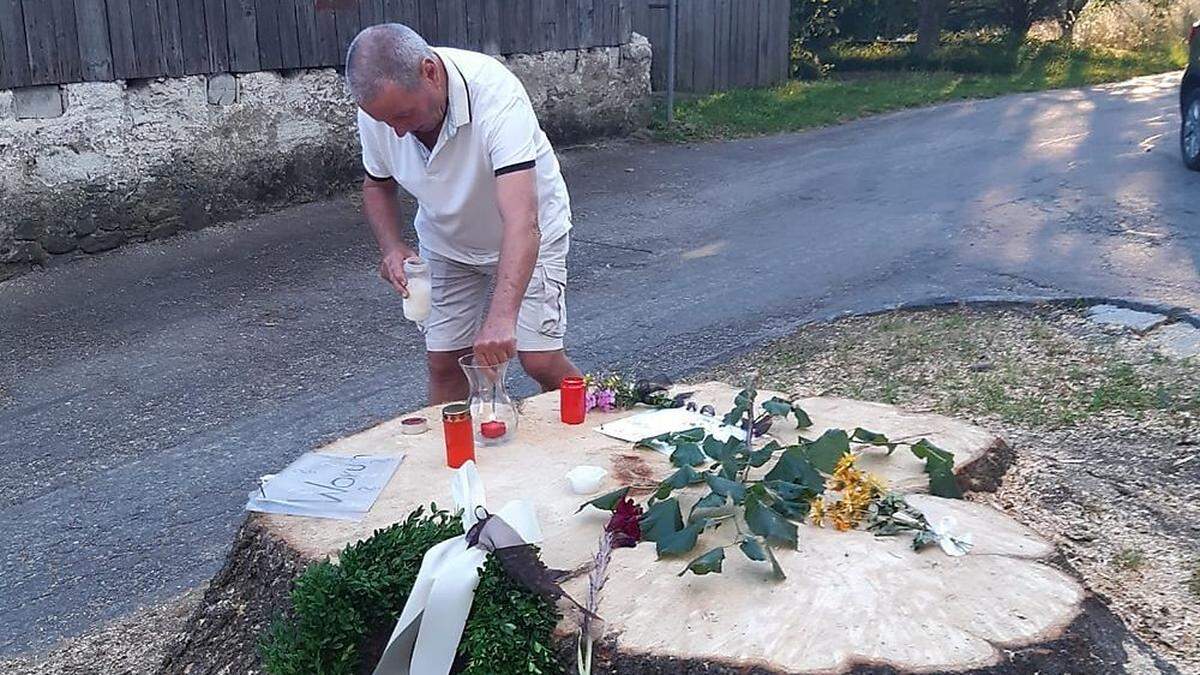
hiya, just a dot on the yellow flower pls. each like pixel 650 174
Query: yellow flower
pixel 857 490
pixel 816 511
pixel 878 485
pixel 844 464
pixel 844 474
pixel 842 515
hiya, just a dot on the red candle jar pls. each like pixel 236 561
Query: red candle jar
pixel 460 437
pixel 572 400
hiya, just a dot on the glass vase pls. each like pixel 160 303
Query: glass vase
pixel 492 411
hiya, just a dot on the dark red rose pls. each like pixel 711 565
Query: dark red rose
pixel 623 527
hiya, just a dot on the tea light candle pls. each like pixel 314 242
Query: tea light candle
pixel 412 426
pixel 493 429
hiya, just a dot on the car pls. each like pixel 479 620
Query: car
pixel 1189 103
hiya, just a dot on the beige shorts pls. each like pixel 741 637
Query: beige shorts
pixel 461 297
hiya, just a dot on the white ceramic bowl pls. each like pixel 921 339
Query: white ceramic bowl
pixel 585 480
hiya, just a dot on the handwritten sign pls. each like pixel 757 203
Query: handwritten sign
pixel 319 485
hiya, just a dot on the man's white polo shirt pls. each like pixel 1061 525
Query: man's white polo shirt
pixel 490 129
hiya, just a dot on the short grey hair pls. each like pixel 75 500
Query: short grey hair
pixel 388 52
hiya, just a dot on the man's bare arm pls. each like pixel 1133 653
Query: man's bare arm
pixel 516 194
pixel 381 206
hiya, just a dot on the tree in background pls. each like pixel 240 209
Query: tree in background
pixel 930 14
pixel 818 23
pixel 1018 16
pixel 815 22
pixel 1068 16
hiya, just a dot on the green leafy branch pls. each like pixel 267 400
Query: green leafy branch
pixel 939 464
pixel 765 511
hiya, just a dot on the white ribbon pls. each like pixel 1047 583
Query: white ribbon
pixel 427 634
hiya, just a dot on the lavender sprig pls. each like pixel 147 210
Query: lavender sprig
pixel 596 580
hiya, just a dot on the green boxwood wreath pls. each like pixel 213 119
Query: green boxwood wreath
pixel 343 614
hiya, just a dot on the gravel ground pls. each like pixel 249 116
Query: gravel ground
pixel 1106 431
pixel 134 644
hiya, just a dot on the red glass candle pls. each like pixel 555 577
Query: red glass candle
pixel 460 438
pixel 572 400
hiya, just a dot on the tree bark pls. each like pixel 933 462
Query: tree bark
pixel 929 26
pixel 1071 11
pixel 1067 26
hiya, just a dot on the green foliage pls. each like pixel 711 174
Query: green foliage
pixel 788 499
pixel 939 464
pixel 975 53
pixel 741 407
pixel 663 524
pixel 707 563
pixel 891 515
pixel 670 440
pixel 806 65
pixel 378 572
pixel 508 630
pixel 335 608
pixel 326 630
pixel 957 71
pixel 684 477
pixel 607 501
pixel 687 454
pixel 794 467
pixel 816 22
pixel 772 506
pixel 680 541
pixel 753 550
pixel 724 487
pixel 661 519
pixel 780 407
pixel 711 502
pixel 765 512
pixel 861 435
pixel 766 522
pixel 825 452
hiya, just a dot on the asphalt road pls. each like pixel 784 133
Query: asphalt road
pixel 142 391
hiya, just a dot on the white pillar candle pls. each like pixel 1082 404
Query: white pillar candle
pixel 419 300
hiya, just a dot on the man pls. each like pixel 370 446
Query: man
pixel 456 129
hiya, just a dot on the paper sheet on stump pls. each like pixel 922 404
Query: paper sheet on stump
pixel 657 422
pixel 319 485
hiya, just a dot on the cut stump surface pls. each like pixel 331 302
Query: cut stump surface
pixel 850 599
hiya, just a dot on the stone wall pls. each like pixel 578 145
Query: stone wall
pixel 88 167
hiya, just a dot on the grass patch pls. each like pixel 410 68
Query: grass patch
pixel 1028 369
pixel 960 73
pixel 1130 559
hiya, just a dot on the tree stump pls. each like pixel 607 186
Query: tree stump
pixel 851 601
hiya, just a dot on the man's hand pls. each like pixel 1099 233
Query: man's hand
pixel 391 268
pixel 496 342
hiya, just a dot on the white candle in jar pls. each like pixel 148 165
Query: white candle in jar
pixel 419 300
